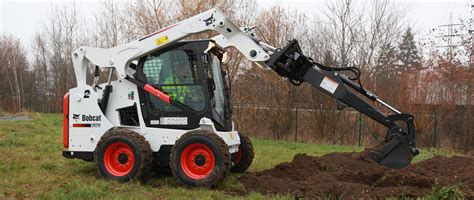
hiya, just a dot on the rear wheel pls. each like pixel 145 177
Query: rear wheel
pixel 200 158
pixel 123 155
pixel 242 159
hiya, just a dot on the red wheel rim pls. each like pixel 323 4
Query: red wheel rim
pixel 237 156
pixel 119 159
pixel 197 161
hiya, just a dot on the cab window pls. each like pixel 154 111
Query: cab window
pixel 175 72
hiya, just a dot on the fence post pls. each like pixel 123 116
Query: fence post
pixel 296 123
pixel 360 128
pixel 256 114
pixel 434 131
pixel 334 127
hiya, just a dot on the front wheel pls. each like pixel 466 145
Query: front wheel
pixel 200 159
pixel 123 155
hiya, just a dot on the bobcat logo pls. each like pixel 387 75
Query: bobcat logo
pixel 209 20
pixel 75 116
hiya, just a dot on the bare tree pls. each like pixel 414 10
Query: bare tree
pixel 358 33
pixel 13 67
pixel 53 46
pixel 111 25
pixel 343 28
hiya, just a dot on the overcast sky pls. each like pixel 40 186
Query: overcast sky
pixel 22 18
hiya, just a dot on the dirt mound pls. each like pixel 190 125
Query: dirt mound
pixel 346 175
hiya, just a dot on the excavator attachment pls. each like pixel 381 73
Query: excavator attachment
pixel 398 148
pixel 395 153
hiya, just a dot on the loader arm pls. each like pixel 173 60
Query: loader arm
pixel 120 57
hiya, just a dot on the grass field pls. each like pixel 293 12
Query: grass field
pixel 31 166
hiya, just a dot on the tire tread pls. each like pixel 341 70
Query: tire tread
pixel 247 156
pixel 214 180
pixel 145 170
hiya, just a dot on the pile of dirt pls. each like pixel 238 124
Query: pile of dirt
pixel 346 175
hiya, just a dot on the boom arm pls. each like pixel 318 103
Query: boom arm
pixel 121 56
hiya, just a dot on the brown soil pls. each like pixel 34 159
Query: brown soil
pixel 346 175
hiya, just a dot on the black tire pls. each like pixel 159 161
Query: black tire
pixel 243 161
pixel 134 160
pixel 196 147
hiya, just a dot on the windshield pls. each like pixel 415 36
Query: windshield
pixel 219 85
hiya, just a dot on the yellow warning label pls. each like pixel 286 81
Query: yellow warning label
pixel 161 40
pixel 231 135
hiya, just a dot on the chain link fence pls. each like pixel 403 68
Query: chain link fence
pixel 343 127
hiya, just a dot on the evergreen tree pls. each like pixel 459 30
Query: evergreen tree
pixel 387 58
pixel 408 54
pixel 386 72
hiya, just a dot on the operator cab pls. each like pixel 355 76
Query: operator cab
pixel 191 77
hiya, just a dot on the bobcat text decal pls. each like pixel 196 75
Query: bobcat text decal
pixel 91 118
pixel 86 118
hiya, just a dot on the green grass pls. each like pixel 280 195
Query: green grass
pixel 32 166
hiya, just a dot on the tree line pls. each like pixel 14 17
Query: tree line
pixel 413 75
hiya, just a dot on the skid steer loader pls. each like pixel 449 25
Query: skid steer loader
pixel 166 103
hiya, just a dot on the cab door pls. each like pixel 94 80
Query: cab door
pixel 175 71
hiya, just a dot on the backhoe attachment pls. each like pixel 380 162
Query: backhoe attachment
pixel 398 148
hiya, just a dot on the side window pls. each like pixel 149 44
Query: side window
pixel 219 85
pixel 152 69
pixel 175 72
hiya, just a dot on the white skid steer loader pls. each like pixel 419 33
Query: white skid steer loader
pixel 167 103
